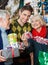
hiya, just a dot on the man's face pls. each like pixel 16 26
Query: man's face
pixel 24 16
pixel 6 22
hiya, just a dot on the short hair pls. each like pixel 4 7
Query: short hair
pixel 27 7
pixel 40 18
pixel 3 13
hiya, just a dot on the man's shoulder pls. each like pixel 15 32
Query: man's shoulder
pixel 28 26
pixel 0 32
pixel 28 23
pixel 14 22
pixel 8 31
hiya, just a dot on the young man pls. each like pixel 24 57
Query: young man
pixel 4 43
pixel 39 41
pixel 19 26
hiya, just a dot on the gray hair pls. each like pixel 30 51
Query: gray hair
pixel 3 13
pixel 40 18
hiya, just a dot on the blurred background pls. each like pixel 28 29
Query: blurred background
pixel 39 6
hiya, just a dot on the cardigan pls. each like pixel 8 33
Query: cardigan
pixel 36 48
pixel 1 42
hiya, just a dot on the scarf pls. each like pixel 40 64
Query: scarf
pixel 42 33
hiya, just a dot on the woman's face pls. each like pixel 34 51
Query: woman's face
pixel 36 24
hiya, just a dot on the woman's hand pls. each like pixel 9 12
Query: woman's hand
pixel 2 59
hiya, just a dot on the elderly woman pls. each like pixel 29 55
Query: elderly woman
pixel 39 42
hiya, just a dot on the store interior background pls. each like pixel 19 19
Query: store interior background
pixel 40 7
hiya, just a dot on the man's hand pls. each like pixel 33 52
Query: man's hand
pixel 24 39
pixel 2 59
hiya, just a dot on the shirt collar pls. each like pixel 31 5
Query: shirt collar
pixel 2 29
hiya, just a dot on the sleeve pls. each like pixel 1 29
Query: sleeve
pixel 30 47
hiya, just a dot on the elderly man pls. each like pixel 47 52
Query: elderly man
pixel 4 25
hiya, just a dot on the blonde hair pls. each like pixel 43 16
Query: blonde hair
pixel 38 17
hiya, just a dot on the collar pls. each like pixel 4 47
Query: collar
pixel 2 29
pixel 42 33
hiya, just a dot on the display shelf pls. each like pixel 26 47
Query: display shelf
pixel 44 7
